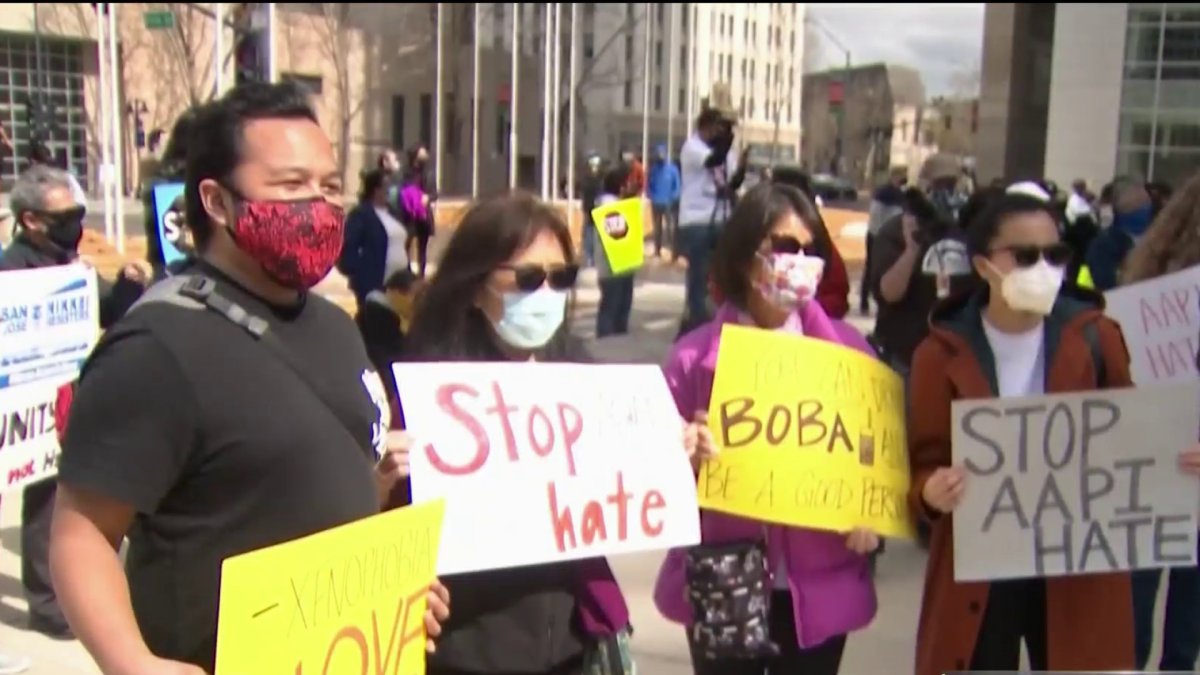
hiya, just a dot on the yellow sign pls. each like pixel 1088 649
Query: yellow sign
pixel 621 233
pixel 811 434
pixel 347 601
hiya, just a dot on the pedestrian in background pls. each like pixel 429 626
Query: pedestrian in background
pixel 417 198
pixel 664 195
pixel 616 290
pixel 375 244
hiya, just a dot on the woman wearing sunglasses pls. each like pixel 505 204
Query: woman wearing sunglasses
pixel 820 587
pixel 501 294
pixel 1016 336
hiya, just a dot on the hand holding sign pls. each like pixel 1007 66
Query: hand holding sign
pixel 438 599
pixel 944 489
pixel 1189 462
pixel 698 439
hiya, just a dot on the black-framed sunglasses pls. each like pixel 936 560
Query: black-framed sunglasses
pixel 71 215
pixel 787 245
pixel 1057 255
pixel 529 278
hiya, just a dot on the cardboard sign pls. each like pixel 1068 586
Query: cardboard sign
pixel 28 435
pixel 350 600
pixel 1075 483
pixel 168 219
pixel 49 323
pixel 812 434
pixel 547 462
pixel 621 230
pixel 1161 322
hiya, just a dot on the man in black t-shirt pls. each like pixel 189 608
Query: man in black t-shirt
pixel 230 409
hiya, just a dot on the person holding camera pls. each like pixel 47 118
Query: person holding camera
pixel 711 176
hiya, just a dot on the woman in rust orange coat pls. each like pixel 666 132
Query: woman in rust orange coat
pixel 1018 336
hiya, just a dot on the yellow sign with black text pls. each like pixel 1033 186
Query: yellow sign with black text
pixel 811 433
pixel 346 601
pixel 621 231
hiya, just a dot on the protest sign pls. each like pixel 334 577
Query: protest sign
pixel 346 601
pixel 49 322
pixel 547 462
pixel 168 219
pixel 1075 483
pixel 1161 322
pixel 621 230
pixel 811 433
pixel 28 434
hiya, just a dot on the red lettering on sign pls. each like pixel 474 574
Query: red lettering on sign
pixel 445 398
pixel 595 526
pixel 541 432
pixel 20 473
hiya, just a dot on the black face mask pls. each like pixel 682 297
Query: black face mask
pixel 64 230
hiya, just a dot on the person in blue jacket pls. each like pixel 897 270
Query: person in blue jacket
pixel 1133 211
pixel 663 189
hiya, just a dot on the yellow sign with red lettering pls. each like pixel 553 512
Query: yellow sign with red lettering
pixel 812 434
pixel 346 601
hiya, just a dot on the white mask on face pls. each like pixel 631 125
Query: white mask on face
pixel 531 319
pixel 792 279
pixel 1032 289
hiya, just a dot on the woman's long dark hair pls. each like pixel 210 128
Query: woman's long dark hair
pixel 447 325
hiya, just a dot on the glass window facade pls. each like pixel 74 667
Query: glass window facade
pixel 62 79
pixel 1159 136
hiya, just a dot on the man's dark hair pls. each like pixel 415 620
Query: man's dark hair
pixel 214 148
pixel 985 227
pixel 615 179
pixel 708 117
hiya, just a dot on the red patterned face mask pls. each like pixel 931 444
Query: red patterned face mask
pixel 296 242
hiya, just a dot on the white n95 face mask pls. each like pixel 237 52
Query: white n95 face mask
pixel 531 319
pixel 1033 289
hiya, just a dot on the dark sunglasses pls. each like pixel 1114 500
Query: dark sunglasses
pixel 71 215
pixel 789 245
pixel 531 277
pixel 1027 256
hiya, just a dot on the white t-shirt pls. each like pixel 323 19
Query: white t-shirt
pixel 1020 360
pixel 698 192
pixel 397 250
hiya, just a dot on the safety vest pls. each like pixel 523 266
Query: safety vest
pixel 1084 279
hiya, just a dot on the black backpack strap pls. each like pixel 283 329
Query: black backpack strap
pixel 195 291
pixel 1092 335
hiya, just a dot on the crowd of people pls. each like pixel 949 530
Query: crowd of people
pixel 227 407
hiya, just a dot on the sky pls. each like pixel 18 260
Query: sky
pixel 941 40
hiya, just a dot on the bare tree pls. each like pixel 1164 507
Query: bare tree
pixel 597 73
pixel 966 82
pixel 344 49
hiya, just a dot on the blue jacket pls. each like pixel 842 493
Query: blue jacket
pixel 364 251
pixel 664 184
pixel 1105 255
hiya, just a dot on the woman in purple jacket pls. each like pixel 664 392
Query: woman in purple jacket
pixel 821 587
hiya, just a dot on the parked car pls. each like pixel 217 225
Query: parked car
pixel 833 189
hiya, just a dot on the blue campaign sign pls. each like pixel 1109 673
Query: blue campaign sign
pixel 168 220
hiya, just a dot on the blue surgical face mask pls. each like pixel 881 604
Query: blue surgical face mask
pixel 1135 222
pixel 531 319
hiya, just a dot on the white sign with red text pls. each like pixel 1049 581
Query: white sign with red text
pixel 547 462
pixel 28 435
pixel 1161 322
